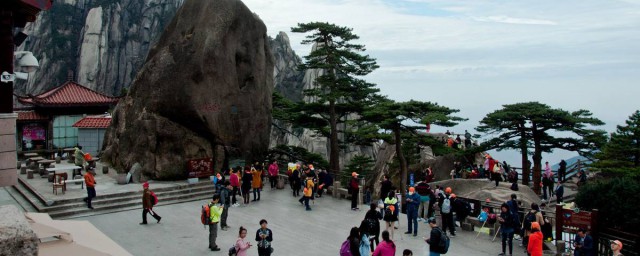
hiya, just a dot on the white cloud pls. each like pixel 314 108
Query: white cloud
pixel 511 20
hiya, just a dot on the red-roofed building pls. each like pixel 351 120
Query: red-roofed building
pixel 46 121
pixel 91 130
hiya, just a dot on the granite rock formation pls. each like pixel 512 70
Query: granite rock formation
pixel 204 91
pixel 16 235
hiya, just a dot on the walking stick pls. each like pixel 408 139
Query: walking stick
pixel 480 230
pixel 496 235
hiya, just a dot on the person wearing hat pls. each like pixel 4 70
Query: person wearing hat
pixel 534 248
pixel 355 189
pixel 413 202
pixel 616 247
pixel 447 212
pixel 434 237
pixel 147 205
pixel 90 181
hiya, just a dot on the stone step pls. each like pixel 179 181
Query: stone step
pixel 28 196
pixel 20 199
pixel 129 196
pixel 82 211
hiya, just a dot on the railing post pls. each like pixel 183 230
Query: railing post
pixel 559 224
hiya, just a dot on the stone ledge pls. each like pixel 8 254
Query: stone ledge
pixel 16 235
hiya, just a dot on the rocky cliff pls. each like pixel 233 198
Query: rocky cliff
pixel 102 43
pixel 204 90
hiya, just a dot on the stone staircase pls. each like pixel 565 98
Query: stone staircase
pixel 31 200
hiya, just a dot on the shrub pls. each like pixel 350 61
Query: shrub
pixel 616 199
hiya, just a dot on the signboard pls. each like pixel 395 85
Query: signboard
pixel 580 219
pixel 198 168
pixel 32 132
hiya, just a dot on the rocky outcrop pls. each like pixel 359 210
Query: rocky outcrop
pixel 102 43
pixel 204 91
pixel 16 235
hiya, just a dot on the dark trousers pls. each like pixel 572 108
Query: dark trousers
pixel 354 198
pixel 213 234
pixel 223 217
pixel 376 241
pixel 558 199
pixel 264 251
pixel 412 219
pixel 295 186
pixel 233 195
pixel 306 201
pixel 245 195
pixel 447 222
pixel 507 237
pixel 91 193
pixel 273 180
pixel 153 214
pixel 256 190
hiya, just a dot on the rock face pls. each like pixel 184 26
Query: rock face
pixel 16 235
pixel 204 91
pixel 102 43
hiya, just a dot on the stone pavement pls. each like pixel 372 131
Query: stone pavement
pixel 296 231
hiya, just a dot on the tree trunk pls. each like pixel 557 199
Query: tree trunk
pixel 537 160
pixel 403 162
pixel 334 153
pixel 525 156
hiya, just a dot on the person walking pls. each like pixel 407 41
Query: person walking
pixel 434 238
pixel 616 247
pixel 413 201
pixel 225 199
pixel 355 190
pixel 372 218
pixel 247 179
pixel 533 216
pixel 147 205
pixel 534 248
pixel 235 186
pixel 390 212
pixel 256 183
pixel 90 182
pixel 241 245
pixel 446 211
pixel 294 179
pixel 307 193
pixel 273 174
pixel 386 247
pixel 215 211
pixel 326 181
pixel 507 225
pixel 79 161
pixel 264 237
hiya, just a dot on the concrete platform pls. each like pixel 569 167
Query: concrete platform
pixel 296 231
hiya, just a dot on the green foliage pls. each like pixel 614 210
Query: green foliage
pixel 616 199
pixel 284 153
pixel 361 164
pixel 621 154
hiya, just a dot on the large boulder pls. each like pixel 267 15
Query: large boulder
pixel 204 91
pixel 16 235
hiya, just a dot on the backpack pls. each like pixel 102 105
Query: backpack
pixel 465 208
pixel 530 218
pixel 514 186
pixel 233 251
pixel 154 198
pixel 387 211
pixel 512 176
pixel 446 205
pixel 345 249
pixel 372 225
pixel 205 215
pixel 444 242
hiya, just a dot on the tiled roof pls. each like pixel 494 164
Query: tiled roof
pixel 93 122
pixel 70 94
pixel 30 116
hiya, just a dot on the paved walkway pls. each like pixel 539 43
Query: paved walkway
pixel 296 231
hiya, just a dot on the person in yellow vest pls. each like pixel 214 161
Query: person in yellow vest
pixel 307 193
pixel 256 183
pixel 215 211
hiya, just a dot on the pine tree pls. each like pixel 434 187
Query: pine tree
pixel 621 154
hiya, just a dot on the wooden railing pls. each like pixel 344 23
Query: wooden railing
pixel 572 170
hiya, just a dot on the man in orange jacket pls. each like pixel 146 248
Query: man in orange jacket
pixel 91 186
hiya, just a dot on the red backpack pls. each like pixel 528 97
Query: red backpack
pixel 154 198
pixel 205 215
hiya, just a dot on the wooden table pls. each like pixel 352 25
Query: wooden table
pixel 66 168
pixel 69 152
pixel 29 155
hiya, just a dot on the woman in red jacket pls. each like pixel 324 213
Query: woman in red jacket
pixel 535 240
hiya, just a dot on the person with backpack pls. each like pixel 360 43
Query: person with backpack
pixel 354 241
pixel 234 180
pixel 247 179
pixel 437 245
pixel 241 245
pixel 390 212
pixel 215 211
pixel 307 193
pixel 225 199
pixel 413 202
pixel 515 212
pixel 507 224
pixel 534 247
pixel 355 190
pixel 386 247
pixel 147 204
pixel 264 237
pixel 446 211
pixel 365 237
pixel 534 215
pixel 372 219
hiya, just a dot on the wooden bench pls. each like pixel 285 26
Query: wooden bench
pixel 66 168
pixel 76 180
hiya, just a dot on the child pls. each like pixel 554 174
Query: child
pixel 215 211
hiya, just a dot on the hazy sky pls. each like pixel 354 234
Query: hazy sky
pixel 477 55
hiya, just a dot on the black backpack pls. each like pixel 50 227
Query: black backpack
pixel 444 242
pixel 530 218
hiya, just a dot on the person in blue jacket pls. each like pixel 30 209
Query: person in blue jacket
pixel 413 202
